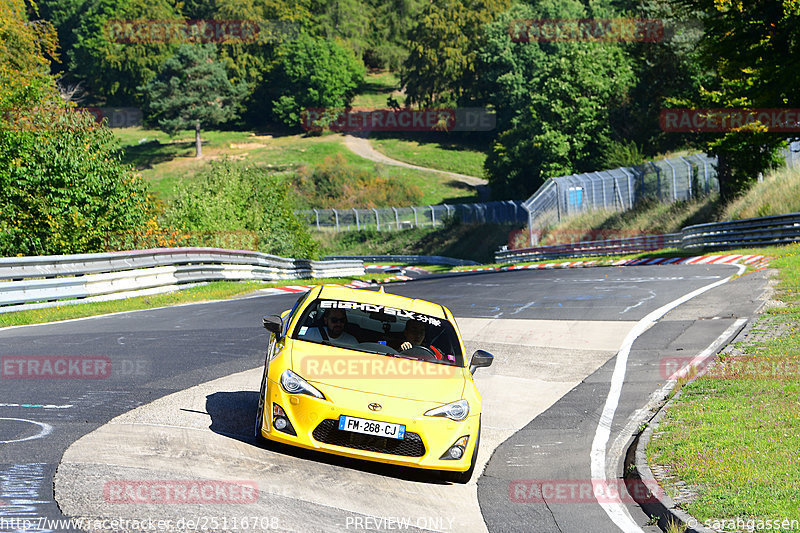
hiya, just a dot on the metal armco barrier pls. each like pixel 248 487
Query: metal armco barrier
pixel 45 281
pixel 415 259
pixel 762 231
pixel 631 245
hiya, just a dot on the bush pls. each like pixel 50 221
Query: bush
pixel 336 185
pixel 229 199
pixel 63 188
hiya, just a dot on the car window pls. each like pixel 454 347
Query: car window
pixel 380 329
pixel 288 319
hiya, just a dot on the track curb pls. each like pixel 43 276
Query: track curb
pixel 658 504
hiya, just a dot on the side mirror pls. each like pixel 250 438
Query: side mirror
pixel 272 323
pixel 480 359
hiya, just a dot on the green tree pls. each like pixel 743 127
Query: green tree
pixel 26 49
pixel 192 90
pixel 750 47
pixel 441 66
pixel 227 196
pixel 554 99
pixel 112 68
pixel 63 188
pixel 311 72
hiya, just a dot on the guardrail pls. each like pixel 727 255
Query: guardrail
pixel 46 281
pixel 762 231
pixel 414 259
pixel 632 245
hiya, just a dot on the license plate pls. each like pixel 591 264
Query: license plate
pixel 372 427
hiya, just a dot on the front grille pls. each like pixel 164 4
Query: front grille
pixel 328 432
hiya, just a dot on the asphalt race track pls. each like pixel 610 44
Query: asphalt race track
pixel 170 395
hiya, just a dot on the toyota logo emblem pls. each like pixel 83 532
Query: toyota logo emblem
pixel 375 407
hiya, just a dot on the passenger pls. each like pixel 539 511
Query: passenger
pixel 335 320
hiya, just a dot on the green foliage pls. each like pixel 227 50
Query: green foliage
pixel 555 101
pixel 62 186
pixel 25 52
pixel 228 197
pixel 441 66
pixel 311 73
pixel 392 20
pixel 113 70
pixel 335 184
pixel 192 89
pixel 746 45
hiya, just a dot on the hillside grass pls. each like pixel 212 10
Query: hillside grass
pixel 163 161
pixel 431 152
pixel 378 86
pixel 779 193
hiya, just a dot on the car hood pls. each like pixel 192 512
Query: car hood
pixel 378 374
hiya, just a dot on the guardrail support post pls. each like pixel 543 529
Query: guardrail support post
pixel 630 186
pixel 658 180
pixel 691 194
pixel 674 181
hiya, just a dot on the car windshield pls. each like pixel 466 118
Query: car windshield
pixel 375 328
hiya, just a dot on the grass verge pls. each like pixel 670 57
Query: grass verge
pixel 733 435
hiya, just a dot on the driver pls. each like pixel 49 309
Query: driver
pixel 335 321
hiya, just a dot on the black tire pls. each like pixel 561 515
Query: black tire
pixel 260 411
pixel 464 477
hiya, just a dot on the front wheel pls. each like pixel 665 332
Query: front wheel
pixel 464 477
pixel 260 411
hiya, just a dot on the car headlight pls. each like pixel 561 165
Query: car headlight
pixel 294 384
pixel 457 411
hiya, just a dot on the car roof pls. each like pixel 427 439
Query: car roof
pixel 339 292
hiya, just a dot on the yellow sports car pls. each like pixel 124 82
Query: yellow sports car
pixel 374 376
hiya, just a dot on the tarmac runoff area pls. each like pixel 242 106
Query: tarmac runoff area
pixel 204 434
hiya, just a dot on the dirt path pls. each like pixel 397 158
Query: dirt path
pixel 362 148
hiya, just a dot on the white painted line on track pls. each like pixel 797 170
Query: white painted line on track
pixel 46 429
pixel 616 511
pixel 35 405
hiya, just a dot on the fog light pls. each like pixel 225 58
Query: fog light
pixel 456 452
pixel 280 421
